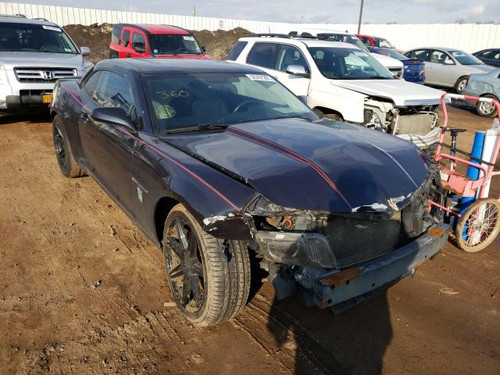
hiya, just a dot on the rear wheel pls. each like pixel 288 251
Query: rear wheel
pixel 478 227
pixel 486 109
pixel 67 163
pixel 209 278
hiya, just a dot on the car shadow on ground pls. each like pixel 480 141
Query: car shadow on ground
pixel 29 117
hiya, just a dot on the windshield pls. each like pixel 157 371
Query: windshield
pixel 340 63
pixel 34 38
pixel 174 44
pixel 186 100
pixel 382 43
pixel 464 58
pixel 345 38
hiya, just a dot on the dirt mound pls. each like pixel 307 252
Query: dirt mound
pixel 97 38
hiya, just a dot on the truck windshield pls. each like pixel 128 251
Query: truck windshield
pixel 174 44
pixel 182 101
pixel 35 38
pixel 343 63
pixel 382 43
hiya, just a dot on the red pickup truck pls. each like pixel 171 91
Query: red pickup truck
pixel 161 41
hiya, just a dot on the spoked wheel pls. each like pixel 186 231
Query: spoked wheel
pixel 478 227
pixel 67 163
pixel 209 278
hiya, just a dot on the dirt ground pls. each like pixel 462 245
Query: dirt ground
pixel 82 291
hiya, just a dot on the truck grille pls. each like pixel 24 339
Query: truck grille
pixel 43 74
pixel 356 240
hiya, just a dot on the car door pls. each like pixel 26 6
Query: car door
pixel 108 147
pixel 443 69
pixel 125 47
pixel 287 56
pixel 140 46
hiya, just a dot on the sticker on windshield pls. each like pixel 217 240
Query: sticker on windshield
pixel 260 77
pixel 188 37
pixel 51 28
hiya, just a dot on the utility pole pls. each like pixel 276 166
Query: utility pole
pixel 360 17
pixel 193 13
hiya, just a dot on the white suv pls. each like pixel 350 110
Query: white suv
pixel 34 54
pixel 341 81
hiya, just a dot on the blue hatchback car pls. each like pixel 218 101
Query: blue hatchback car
pixel 414 69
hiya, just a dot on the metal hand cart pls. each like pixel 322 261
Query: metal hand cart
pixel 477 226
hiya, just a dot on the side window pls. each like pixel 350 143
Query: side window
pixel 115 36
pixel 422 54
pixel 437 57
pixel 126 38
pixel 264 54
pixel 90 83
pixel 139 43
pixel 366 41
pixel 114 90
pixel 235 52
pixel 289 55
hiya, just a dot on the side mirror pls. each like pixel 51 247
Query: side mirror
pixel 203 49
pixel 297 70
pixel 85 51
pixel 115 116
pixel 139 47
pixel 448 62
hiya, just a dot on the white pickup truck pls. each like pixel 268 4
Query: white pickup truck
pixel 341 81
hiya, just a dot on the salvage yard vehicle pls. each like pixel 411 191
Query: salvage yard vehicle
pixel 448 67
pixel 485 85
pixel 34 53
pixel 341 81
pixel 215 161
pixel 375 41
pixel 490 56
pixel 394 65
pixel 414 69
pixel 162 41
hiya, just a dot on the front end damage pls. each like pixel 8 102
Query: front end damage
pixel 415 123
pixel 338 259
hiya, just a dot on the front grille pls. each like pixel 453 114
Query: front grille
pixel 43 74
pixel 416 123
pixel 358 240
pixel 396 72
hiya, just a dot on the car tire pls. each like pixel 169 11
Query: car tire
pixel 461 84
pixel 209 278
pixel 64 155
pixel 486 109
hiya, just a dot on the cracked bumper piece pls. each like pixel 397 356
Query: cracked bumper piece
pixel 346 288
pixel 296 248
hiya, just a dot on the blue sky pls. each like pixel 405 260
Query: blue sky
pixel 328 11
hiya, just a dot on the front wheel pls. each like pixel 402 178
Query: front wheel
pixel 67 163
pixel 461 84
pixel 209 278
pixel 486 109
pixel 478 227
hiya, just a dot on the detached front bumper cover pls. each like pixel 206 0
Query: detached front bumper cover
pixel 343 289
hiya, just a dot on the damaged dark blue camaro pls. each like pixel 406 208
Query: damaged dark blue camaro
pixel 215 161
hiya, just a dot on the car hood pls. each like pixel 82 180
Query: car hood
pixel 401 92
pixel 189 56
pixel 480 68
pixel 387 61
pixel 42 60
pixel 327 166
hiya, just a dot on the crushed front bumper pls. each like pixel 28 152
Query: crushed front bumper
pixel 346 288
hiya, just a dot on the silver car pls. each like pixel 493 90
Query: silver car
pixel 486 85
pixel 448 67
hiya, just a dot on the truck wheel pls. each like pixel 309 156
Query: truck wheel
pixel 209 278
pixel 478 227
pixel 67 163
pixel 486 109
pixel 461 84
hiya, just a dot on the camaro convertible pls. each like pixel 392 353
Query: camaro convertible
pixel 219 163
